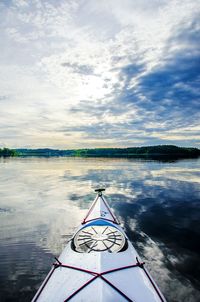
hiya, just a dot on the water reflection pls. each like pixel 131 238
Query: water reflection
pixel 43 200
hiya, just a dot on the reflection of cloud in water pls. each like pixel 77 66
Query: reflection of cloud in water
pixel 25 265
pixel 159 261
pixel 189 174
pixel 165 262
pixel 45 199
pixel 176 288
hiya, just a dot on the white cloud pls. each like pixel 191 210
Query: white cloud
pixel 57 54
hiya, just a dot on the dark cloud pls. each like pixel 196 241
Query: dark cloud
pixel 142 84
pixel 171 91
pixel 169 94
pixel 177 81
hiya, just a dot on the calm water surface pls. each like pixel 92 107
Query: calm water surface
pixel 42 201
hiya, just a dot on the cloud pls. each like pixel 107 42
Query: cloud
pixel 84 70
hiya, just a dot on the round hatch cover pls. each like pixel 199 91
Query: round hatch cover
pixel 99 238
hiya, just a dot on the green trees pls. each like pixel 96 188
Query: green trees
pixel 148 152
pixel 5 152
pixel 159 151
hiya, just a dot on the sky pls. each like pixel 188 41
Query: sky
pixel 90 73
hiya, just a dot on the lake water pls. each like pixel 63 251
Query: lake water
pixel 42 201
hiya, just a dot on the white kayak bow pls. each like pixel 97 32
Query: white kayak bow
pixel 99 264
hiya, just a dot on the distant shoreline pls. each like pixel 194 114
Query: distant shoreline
pixel 149 152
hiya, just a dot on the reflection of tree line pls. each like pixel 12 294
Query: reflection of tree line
pixel 156 152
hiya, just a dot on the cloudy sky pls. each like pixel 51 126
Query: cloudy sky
pixel 99 73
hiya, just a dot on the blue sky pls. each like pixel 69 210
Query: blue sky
pixel 109 73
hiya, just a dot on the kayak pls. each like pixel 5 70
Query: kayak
pixel 99 264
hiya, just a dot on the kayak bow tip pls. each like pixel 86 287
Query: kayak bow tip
pixel 99 191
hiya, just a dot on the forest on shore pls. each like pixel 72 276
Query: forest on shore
pixel 159 151
pixel 6 152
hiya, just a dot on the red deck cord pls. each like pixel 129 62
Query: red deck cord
pixel 44 284
pixel 92 207
pixel 95 276
pixel 105 202
pixel 153 284
pixel 90 210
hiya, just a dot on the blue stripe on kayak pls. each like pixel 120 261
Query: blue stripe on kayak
pixel 99 222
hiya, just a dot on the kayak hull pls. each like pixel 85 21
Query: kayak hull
pixel 90 270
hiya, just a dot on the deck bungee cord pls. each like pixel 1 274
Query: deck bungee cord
pixel 100 195
pixel 100 260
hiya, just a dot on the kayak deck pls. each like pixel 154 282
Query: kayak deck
pixel 99 264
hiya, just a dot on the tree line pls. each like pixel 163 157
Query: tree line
pixel 159 151
pixel 6 152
